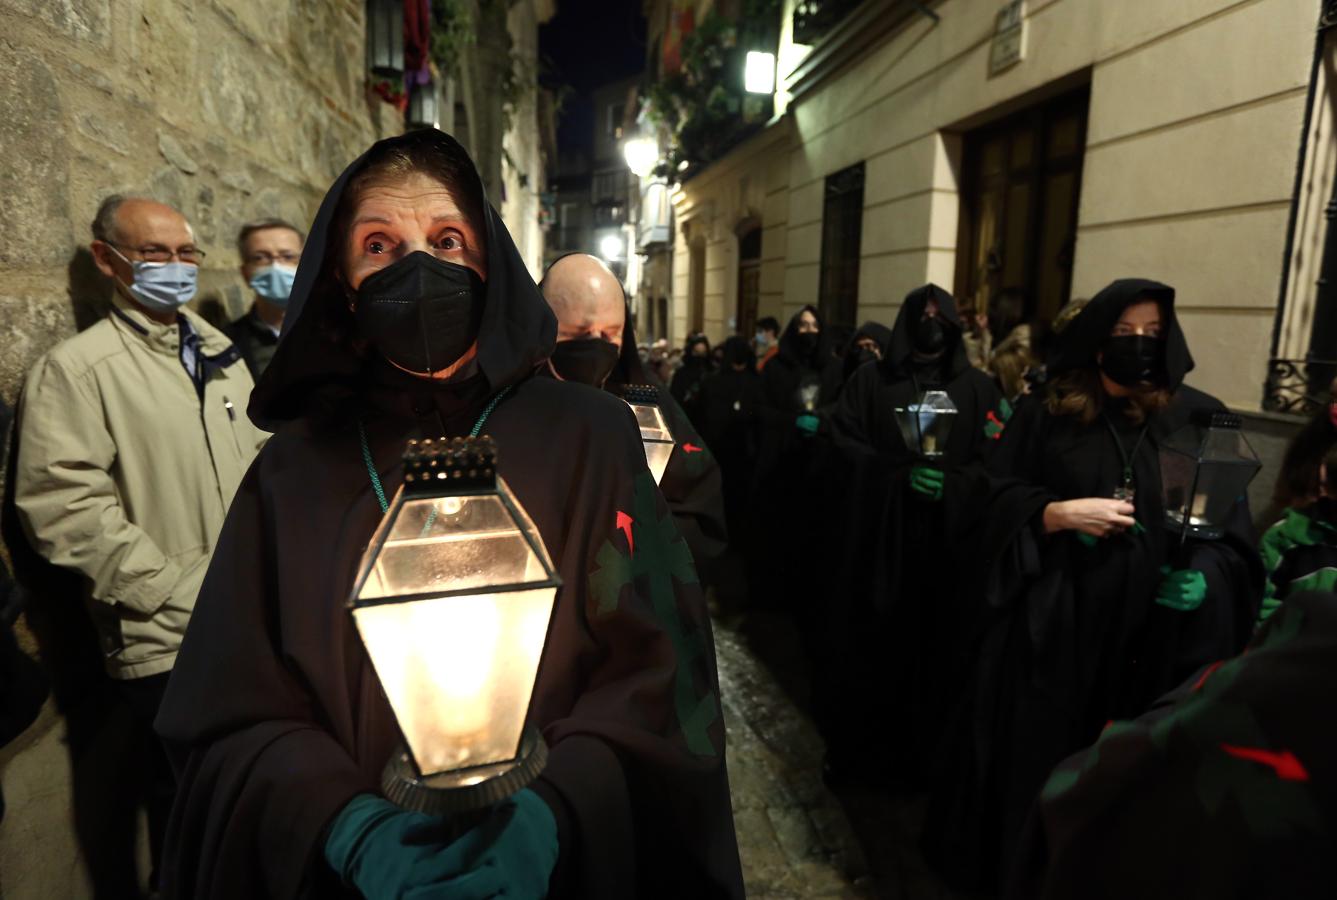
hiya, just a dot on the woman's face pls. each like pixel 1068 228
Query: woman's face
pixel 419 213
pixel 807 323
pixel 1143 317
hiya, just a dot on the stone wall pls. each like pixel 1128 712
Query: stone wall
pixel 229 109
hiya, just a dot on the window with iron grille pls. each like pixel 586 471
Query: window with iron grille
pixel 842 233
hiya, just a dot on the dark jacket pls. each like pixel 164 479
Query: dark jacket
pixel 255 341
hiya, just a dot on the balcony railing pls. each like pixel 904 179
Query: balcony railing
pixel 814 18
pixel 1298 386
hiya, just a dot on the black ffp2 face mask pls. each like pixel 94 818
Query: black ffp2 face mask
pixel 929 336
pixel 421 313
pixel 588 361
pixel 1133 359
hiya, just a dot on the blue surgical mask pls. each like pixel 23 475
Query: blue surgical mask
pixel 162 287
pixel 274 283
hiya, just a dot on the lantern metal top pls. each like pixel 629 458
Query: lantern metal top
pixel 641 393
pixel 431 466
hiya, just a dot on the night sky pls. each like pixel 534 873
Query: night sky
pixel 587 44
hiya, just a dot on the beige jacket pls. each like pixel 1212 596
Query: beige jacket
pixel 124 474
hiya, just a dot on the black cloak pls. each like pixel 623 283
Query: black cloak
pixel 727 413
pixel 1227 789
pixel 896 624
pixel 274 716
pixel 692 480
pixel 1075 637
pixel 783 525
pixel 694 369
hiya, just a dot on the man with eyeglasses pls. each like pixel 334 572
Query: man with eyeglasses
pixel 132 439
pixel 269 251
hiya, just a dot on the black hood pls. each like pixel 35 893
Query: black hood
pixel 315 356
pixel 789 345
pixel 1081 341
pixel 629 368
pixel 738 351
pixel 898 359
pixel 878 332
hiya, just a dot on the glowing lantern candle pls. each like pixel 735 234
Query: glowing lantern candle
pixel 452 601
pixel 655 433
pixel 926 425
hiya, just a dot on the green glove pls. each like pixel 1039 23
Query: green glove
pixel 1182 589
pixel 390 854
pixel 927 481
pixel 807 423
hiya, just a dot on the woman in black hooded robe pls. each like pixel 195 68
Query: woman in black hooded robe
pixel 1094 607
pixel 895 622
pixel 274 715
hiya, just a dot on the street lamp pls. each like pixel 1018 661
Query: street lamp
pixel 610 247
pixel 642 155
pixel 385 37
pixel 655 432
pixel 1206 467
pixel 926 425
pixel 759 72
pixel 452 601
pixel 423 111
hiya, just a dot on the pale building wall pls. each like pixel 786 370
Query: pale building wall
pixel 1193 136
pixel 750 183
pixel 524 177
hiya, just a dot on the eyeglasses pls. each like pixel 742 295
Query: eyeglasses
pixel 261 258
pixel 157 253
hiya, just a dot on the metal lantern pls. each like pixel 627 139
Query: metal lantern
pixel 1206 467
pixel 655 432
pixel 927 425
pixel 424 108
pixel 452 601
pixel 385 37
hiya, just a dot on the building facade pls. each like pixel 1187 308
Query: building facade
pixel 1043 148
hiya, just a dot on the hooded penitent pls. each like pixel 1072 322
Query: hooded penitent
pixel 1076 636
pixel 274 715
pixel 856 356
pixel 802 379
pixel 893 549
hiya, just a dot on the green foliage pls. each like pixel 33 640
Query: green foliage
pixel 452 32
pixel 702 107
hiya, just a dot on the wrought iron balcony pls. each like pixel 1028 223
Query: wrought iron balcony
pixel 1298 386
pixel 814 18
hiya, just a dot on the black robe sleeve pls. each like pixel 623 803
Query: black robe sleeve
pixel 1224 790
pixel 693 486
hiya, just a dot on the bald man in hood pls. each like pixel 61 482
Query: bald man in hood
pixel 596 345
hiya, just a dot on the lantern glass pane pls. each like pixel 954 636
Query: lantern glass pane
pixel 1204 473
pixel 655 435
pixel 459 671
pixel 449 544
pixel 926 425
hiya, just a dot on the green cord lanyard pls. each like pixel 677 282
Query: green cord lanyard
pixel 371 464
pixel 1125 491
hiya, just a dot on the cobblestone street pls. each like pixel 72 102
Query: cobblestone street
pixel 797 839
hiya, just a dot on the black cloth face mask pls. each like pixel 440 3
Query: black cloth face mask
pixel 929 336
pixel 588 360
pixel 421 313
pixel 807 343
pixel 1133 359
